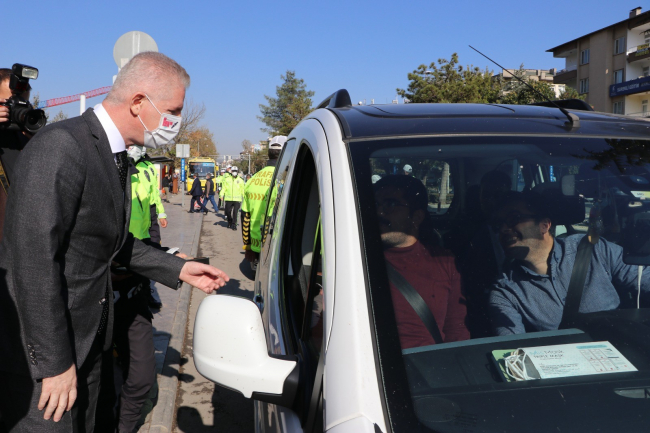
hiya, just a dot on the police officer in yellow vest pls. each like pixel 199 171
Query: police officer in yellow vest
pixel 132 327
pixel 252 205
pixel 232 191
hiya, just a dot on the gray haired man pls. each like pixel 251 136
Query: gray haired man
pixel 56 296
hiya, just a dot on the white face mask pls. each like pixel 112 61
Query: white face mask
pixel 166 131
pixel 136 152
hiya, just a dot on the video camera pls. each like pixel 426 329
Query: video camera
pixel 22 115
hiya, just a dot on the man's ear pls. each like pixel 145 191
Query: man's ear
pixel 417 217
pixel 136 103
pixel 545 225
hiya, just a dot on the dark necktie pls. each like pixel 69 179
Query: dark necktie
pixel 122 167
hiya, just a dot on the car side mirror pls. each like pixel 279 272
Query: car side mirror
pixel 230 350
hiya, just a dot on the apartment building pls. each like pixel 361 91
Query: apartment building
pixel 544 75
pixel 611 66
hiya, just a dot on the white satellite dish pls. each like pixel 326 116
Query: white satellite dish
pixel 130 44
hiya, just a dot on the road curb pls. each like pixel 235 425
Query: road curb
pixel 162 416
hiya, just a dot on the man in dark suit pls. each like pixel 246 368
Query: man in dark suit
pixel 56 296
pixel 196 192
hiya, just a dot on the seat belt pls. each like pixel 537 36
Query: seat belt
pixel 416 301
pixel 578 278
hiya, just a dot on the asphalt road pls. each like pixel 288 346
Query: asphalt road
pixel 201 406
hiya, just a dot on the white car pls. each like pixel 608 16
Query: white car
pixel 337 341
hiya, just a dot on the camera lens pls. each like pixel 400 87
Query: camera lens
pixel 34 120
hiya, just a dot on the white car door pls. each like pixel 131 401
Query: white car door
pixel 291 276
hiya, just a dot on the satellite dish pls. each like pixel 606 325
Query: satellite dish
pixel 130 44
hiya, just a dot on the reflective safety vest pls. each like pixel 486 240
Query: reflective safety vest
pixel 144 194
pixel 218 180
pixel 232 188
pixel 253 203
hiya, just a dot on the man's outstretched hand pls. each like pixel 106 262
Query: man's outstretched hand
pixel 203 277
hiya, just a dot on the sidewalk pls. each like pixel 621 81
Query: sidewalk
pixel 183 231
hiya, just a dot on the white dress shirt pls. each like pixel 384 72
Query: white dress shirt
pixel 114 137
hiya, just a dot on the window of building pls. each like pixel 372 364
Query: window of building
pixel 584 57
pixel 584 85
pixel 646 71
pixel 644 107
pixel 619 45
pixel 618 107
pixel 618 76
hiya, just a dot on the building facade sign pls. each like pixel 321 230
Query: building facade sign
pixel 630 87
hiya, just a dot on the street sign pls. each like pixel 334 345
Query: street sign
pixel 130 44
pixel 182 151
pixel 182 169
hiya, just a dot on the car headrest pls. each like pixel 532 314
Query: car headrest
pixel 565 207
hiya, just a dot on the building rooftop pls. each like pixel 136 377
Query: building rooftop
pixel 633 21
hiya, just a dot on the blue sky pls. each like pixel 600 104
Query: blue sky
pixel 236 51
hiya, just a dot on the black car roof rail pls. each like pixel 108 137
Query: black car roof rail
pixel 571 104
pixel 338 99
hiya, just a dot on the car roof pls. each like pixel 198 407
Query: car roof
pixel 367 122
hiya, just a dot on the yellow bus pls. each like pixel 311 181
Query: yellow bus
pixel 202 166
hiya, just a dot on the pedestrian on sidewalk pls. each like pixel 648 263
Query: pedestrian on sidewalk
pixel 232 192
pixel 208 192
pixel 166 181
pixel 197 192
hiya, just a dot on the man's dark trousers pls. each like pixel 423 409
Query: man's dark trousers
pixel 232 208
pixel 133 338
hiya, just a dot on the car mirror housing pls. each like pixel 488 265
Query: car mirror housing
pixel 230 350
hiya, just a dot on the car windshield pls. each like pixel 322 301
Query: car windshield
pixel 202 168
pixel 471 246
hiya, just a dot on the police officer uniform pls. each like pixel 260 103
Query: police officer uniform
pixel 232 192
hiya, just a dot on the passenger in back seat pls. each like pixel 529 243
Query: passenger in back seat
pixel 410 247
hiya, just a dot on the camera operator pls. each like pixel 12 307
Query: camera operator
pixel 10 141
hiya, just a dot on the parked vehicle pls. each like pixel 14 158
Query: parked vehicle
pixel 330 345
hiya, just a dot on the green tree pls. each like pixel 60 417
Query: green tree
pixel 447 81
pixel 256 157
pixel 291 104
pixel 516 92
pixel 571 93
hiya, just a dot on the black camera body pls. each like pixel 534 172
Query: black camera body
pixel 22 115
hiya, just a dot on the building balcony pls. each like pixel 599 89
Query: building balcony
pixel 565 75
pixel 641 52
pixel 631 87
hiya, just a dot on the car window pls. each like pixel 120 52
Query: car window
pixel 470 251
pixel 301 285
pixel 274 193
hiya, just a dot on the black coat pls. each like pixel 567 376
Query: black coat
pixel 196 190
